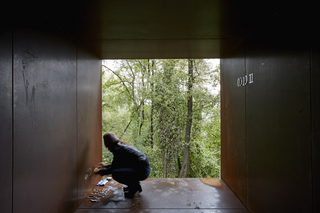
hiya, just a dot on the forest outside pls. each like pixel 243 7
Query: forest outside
pixel 167 108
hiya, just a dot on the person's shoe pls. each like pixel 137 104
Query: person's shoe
pixel 125 188
pixel 139 188
pixel 130 193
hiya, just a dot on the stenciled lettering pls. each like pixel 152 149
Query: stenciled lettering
pixel 243 81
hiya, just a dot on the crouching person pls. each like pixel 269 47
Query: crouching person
pixel 129 165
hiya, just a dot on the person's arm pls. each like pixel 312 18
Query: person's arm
pixel 103 169
pixel 103 165
pixel 119 157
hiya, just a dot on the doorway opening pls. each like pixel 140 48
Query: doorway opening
pixel 169 109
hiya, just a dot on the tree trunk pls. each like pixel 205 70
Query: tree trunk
pixel 140 119
pixel 179 163
pixel 126 127
pixel 141 115
pixel 186 162
pixel 152 105
pixel 164 171
pixel 143 97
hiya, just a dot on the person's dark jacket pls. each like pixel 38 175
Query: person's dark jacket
pixel 126 156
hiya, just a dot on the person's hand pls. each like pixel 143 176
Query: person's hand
pixel 96 170
pixel 102 165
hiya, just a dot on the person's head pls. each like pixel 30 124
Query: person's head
pixel 109 139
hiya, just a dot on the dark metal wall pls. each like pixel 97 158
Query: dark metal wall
pixel 233 123
pixel 315 119
pixel 281 118
pixel 52 88
pixel 45 143
pixel 278 129
pixel 6 118
pixel 89 122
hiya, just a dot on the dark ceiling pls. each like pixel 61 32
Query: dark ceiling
pixel 161 28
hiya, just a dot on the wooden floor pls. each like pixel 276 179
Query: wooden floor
pixel 190 195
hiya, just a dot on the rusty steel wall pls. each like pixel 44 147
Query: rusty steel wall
pixel 281 118
pixel 45 116
pixel 6 118
pixel 233 165
pixel 89 120
pixel 50 110
pixel 278 128
pixel 315 106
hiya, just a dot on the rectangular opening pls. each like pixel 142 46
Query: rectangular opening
pixel 167 108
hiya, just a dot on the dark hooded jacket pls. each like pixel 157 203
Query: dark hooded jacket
pixel 126 156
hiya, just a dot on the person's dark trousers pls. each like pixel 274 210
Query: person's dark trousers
pixel 131 178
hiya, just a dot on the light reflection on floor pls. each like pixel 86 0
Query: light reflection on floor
pixel 166 195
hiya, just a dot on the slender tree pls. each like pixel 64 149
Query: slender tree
pixel 186 162
pixel 152 102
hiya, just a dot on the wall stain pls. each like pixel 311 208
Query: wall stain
pixel 32 55
pixel 25 79
pixel 46 85
pixel 26 85
pixel 33 98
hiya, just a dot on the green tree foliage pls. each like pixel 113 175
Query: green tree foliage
pixel 145 102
